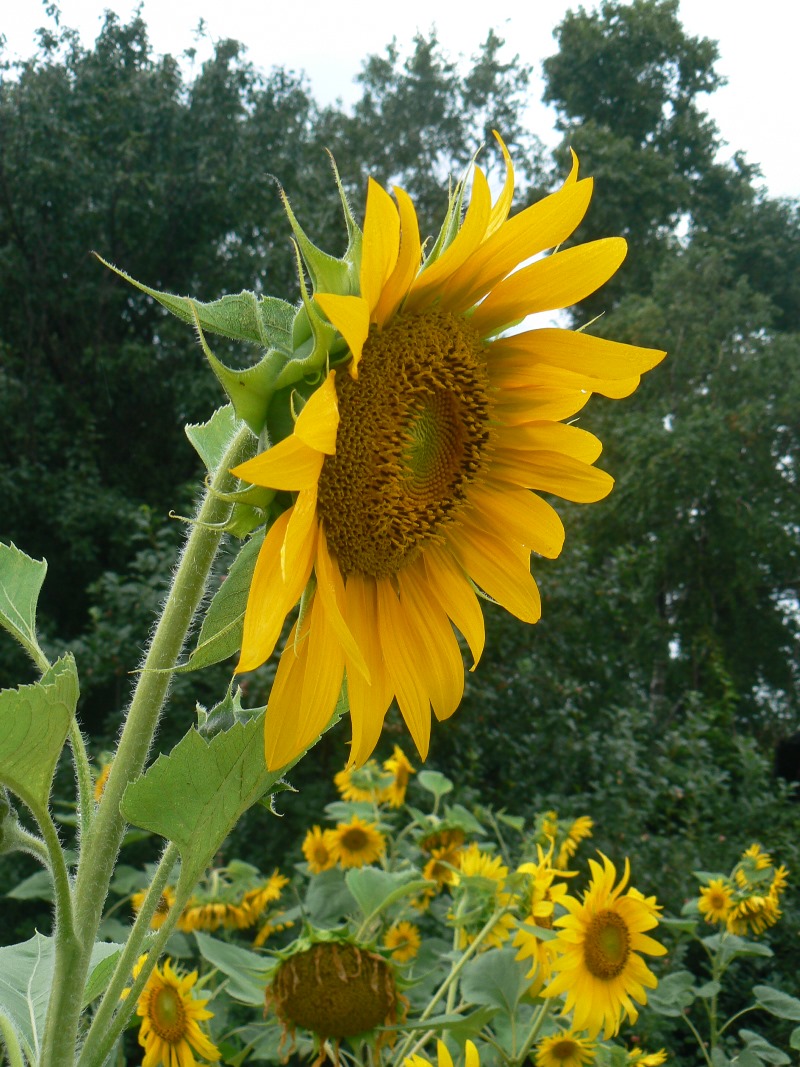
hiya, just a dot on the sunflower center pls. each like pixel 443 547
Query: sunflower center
pixel 413 432
pixel 168 1014
pixel 563 1050
pixel 354 840
pixel 607 945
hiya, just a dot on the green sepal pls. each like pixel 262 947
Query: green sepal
pixel 211 439
pixel 34 723
pixel 21 581
pixel 223 715
pixel 260 320
pixel 327 273
pixel 221 632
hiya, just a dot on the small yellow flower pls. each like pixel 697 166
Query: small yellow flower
pixel 165 902
pixel 440 867
pixel 404 941
pixel 255 901
pixel 401 770
pixel 365 784
pixel 716 900
pixel 356 843
pixel 564 1049
pixel 317 850
pixel 637 1057
pixel 539 899
pixel 598 965
pixel 170 1031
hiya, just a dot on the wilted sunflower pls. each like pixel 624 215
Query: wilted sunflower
pixel 355 843
pixel 413 462
pixel 598 966
pixel 170 1031
pixel 564 1049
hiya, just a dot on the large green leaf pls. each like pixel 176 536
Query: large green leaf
pixel 674 994
pixel 26 977
pixel 777 1002
pixel 211 439
pixel 195 795
pixel 376 890
pixel 20 583
pixel 34 722
pixel 495 979
pixel 247 973
pixel 221 633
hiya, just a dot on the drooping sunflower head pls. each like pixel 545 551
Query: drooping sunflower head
pixel 414 465
pixel 399 766
pixel 599 965
pixel 334 988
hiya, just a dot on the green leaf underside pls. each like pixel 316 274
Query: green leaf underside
pixel 221 633
pixel 34 723
pixel 21 581
pixel 26 976
pixel 777 1003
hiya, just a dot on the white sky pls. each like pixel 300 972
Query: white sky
pixel 756 112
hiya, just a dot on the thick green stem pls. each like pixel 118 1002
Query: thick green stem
pixel 533 1033
pixel 102 1035
pixel 84 776
pixel 100 847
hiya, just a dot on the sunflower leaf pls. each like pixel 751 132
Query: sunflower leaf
pixel 34 723
pixel 376 890
pixel 495 979
pixel 21 581
pixel 766 1052
pixel 777 1003
pixel 328 899
pixel 435 782
pixel 211 439
pixel 195 795
pixel 221 632
pixel 26 978
pixel 100 977
pixel 247 972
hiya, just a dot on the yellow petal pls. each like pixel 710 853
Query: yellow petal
pixel 305 691
pixel 521 515
pixel 270 598
pixel 301 535
pixel 399 648
pixel 498 570
pixel 502 205
pixel 290 464
pixel 552 472
pixel 407 262
pixel 380 244
pixel 318 422
pixel 369 701
pixel 578 351
pixel 453 590
pixel 438 658
pixel 553 437
pixel 558 281
pixel 330 590
pixel 553 400
pixel 350 315
pixel 541 226
pixel 468 238
pixel 443 1055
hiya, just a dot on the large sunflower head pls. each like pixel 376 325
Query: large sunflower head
pixel 414 466
pixel 599 966
pixel 170 1031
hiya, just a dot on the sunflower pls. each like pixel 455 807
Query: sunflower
pixel 564 1049
pixel 443 866
pixel 540 897
pixel 598 966
pixel 165 902
pixel 403 940
pixel 367 784
pixel 578 831
pixel 412 463
pixel 170 1032
pixel 637 1057
pixel 355 843
pixel 716 900
pixel 255 901
pixel 317 850
pixel 753 914
pixel 401 770
pixel 481 893
pixel 471 1057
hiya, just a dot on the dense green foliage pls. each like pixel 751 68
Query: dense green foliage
pixel 666 663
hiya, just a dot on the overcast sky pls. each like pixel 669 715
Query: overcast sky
pixel 756 112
